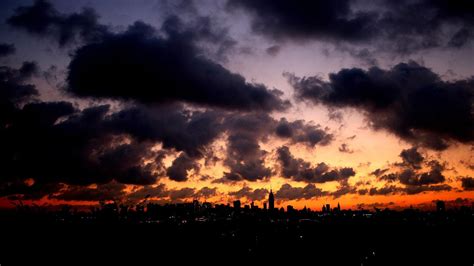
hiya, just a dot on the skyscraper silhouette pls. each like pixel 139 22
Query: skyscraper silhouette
pixel 237 204
pixel 271 201
pixel 440 206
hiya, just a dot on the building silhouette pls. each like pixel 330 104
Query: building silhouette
pixel 237 204
pixel 440 206
pixel 271 201
pixel 290 209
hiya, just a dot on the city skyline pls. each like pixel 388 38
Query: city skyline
pixel 246 233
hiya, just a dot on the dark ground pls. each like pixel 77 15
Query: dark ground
pixel 243 241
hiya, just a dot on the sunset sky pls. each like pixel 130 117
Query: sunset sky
pixel 362 103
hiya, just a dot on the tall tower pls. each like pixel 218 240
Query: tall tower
pixel 271 201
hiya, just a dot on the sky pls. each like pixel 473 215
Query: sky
pixel 367 104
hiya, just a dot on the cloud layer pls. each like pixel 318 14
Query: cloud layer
pixel 408 100
pixel 388 26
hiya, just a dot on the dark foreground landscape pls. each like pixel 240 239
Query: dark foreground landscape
pixel 223 234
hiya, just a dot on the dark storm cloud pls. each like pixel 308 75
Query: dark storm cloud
pixel 27 70
pixel 386 190
pixel 246 131
pixel 467 183
pixel 300 132
pixel 24 137
pixel 363 55
pixel 460 38
pixel 207 192
pixel 13 82
pixel 174 195
pixel 300 170
pixel 103 192
pixel 411 190
pixel 210 31
pixel 408 100
pixel 125 163
pixel 414 31
pixel 178 171
pixel 412 177
pixel 228 178
pixel 139 65
pixel 287 192
pixel 6 49
pixel 182 193
pixel 432 177
pixel 41 115
pixel 193 132
pixel 407 190
pixel 250 194
pixel 412 157
pixel 409 180
pixel 327 20
pixel 244 157
pixel 73 147
pixel 73 151
pixel 391 177
pixel 95 145
pixel 51 149
pixel 207 32
pixel 42 19
pixel 21 190
pixel 389 26
pixel 15 89
pixel 173 125
pixel 159 191
pixel 172 65
pixel 343 189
